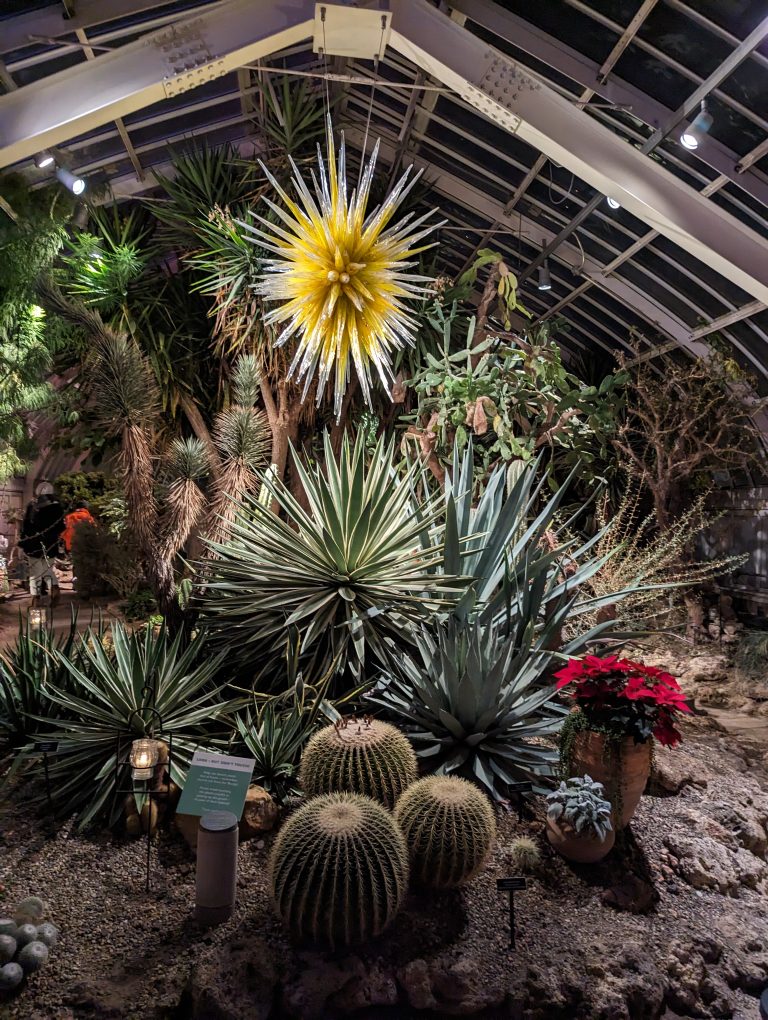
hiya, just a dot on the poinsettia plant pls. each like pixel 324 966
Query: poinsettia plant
pixel 625 698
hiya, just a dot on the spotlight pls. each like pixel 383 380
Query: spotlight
pixel 693 134
pixel 75 184
pixel 43 159
pixel 545 280
pixel 613 203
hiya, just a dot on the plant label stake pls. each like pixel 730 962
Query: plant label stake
pixel 47 746
pixel 509 885
pixel 520 789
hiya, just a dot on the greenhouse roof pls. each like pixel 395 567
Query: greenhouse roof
pixel 525 116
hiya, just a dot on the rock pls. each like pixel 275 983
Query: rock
pixel 631 893
pixel 705 863
pixel 259 814
pixel 745 822
pixel 672 772
pixel 693 989
pixel 187 826
pixel 705 669
pixel 377 987
pixel 318 979
pixel 459 987
pixel 234 981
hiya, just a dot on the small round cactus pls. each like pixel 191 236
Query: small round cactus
pixel 48 933
pixel 525 854
pixel 30 911
pixel 11 976
pixel 8 927
pixel 363 756
pixel 33 956
pixel 8 946
pixel 338 870
pixel 26 933
pixel 449 827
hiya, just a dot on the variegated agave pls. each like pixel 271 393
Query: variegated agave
pixel 356 567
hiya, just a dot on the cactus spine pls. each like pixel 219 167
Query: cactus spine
pixel 449 827
pixel 338 870
pixel 363 756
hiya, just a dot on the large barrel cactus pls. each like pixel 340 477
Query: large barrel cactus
pixel 338 870
pixel 449 827
pixel 359 756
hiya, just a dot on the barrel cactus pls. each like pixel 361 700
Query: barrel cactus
pixel 30 911
pixel 26 933
pixel 363 756
pixel 449 826
pixel 48 933
pixel 11 975
pixel 338 870
pixel 8 926
pixel 33 956
pixel 8 946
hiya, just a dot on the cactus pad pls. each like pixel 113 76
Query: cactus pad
pixel 449 827
pixel 363 756
pixel 338 870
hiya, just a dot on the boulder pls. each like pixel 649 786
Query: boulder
pixel 452 987
pixel 692 987
pixel 259 814
pixel 234 981
pixel 706 863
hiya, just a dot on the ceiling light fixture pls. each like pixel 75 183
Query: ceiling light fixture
pixel 75 184
pixel 43 159
pixel 692 135
pixel 613 203
pixel 545 280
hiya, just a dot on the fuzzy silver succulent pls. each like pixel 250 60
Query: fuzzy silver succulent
pixel 580 803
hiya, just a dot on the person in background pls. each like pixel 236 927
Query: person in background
pixel 79 514
pixel 40 531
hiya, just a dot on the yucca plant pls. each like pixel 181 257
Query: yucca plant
pixel 26 670
pixel 105 706
pixel 185 502
pixel 346 572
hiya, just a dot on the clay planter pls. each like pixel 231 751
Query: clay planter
pixel 579 848
pixel 623 769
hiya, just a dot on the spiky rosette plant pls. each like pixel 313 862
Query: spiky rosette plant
pixel 449 827
pixel 338 870
pixel 185 502
pixel 352 569
pixel 359 756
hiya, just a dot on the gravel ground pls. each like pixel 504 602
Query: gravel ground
pixel 128 954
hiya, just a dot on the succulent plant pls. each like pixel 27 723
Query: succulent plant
pixel 11 975
pixel 338 870
pixel 33 956
pixel 26 933
pixel 8 926
pixel 449 826
pixel 525 853
pixel 48 933
pixel 580 803
pixel 363 756
pixel 8 946
pixel 30 911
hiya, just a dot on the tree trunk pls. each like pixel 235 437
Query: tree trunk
pixel 196 420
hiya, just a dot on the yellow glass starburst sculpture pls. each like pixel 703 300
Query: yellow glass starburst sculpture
pixel 341 276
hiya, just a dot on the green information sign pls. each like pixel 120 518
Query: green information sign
pixel 216 782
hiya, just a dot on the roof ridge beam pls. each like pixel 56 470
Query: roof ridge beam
pixel 157 66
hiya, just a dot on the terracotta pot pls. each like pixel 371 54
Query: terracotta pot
pixel 623 769
pixel 580 848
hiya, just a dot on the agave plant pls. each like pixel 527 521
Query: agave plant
pixel 106 706
pixel 348 571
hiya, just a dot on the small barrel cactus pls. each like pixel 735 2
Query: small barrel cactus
pixel 338 870
pixel 26 933
pixel 8 946
pixel 11 976
pixel 30 911
pixel 580 804
pixel 525 854
pixel 363 756
pixel 48 933
pixel 449 826
pixel 8 927
pixel 33 956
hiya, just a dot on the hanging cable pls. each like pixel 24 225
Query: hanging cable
pixel 568 193
pixel 370 104
pixel 325 68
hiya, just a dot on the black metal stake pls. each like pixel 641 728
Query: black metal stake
pixel 45 746
pixel 509 885
pixel 519 789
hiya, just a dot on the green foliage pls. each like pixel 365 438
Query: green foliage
pixel 106 695
pixel 139 605
pixel 347 572
pixel 26 670
pixel 338 870
pixel 94 487
pixel 274 738
pixel 364 756
pixel 513 399
pixel 449 827
pixel 579 803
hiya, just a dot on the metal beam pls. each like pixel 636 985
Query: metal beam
pixel 737 315
pixel 509 95
pixel 625 38
pixel 160 64
pixel 579 68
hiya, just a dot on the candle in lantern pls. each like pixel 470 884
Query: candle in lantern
pixel 144 757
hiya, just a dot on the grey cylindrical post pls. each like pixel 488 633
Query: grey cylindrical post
pixel 216 876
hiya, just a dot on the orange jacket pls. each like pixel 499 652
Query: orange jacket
pixel 70 523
